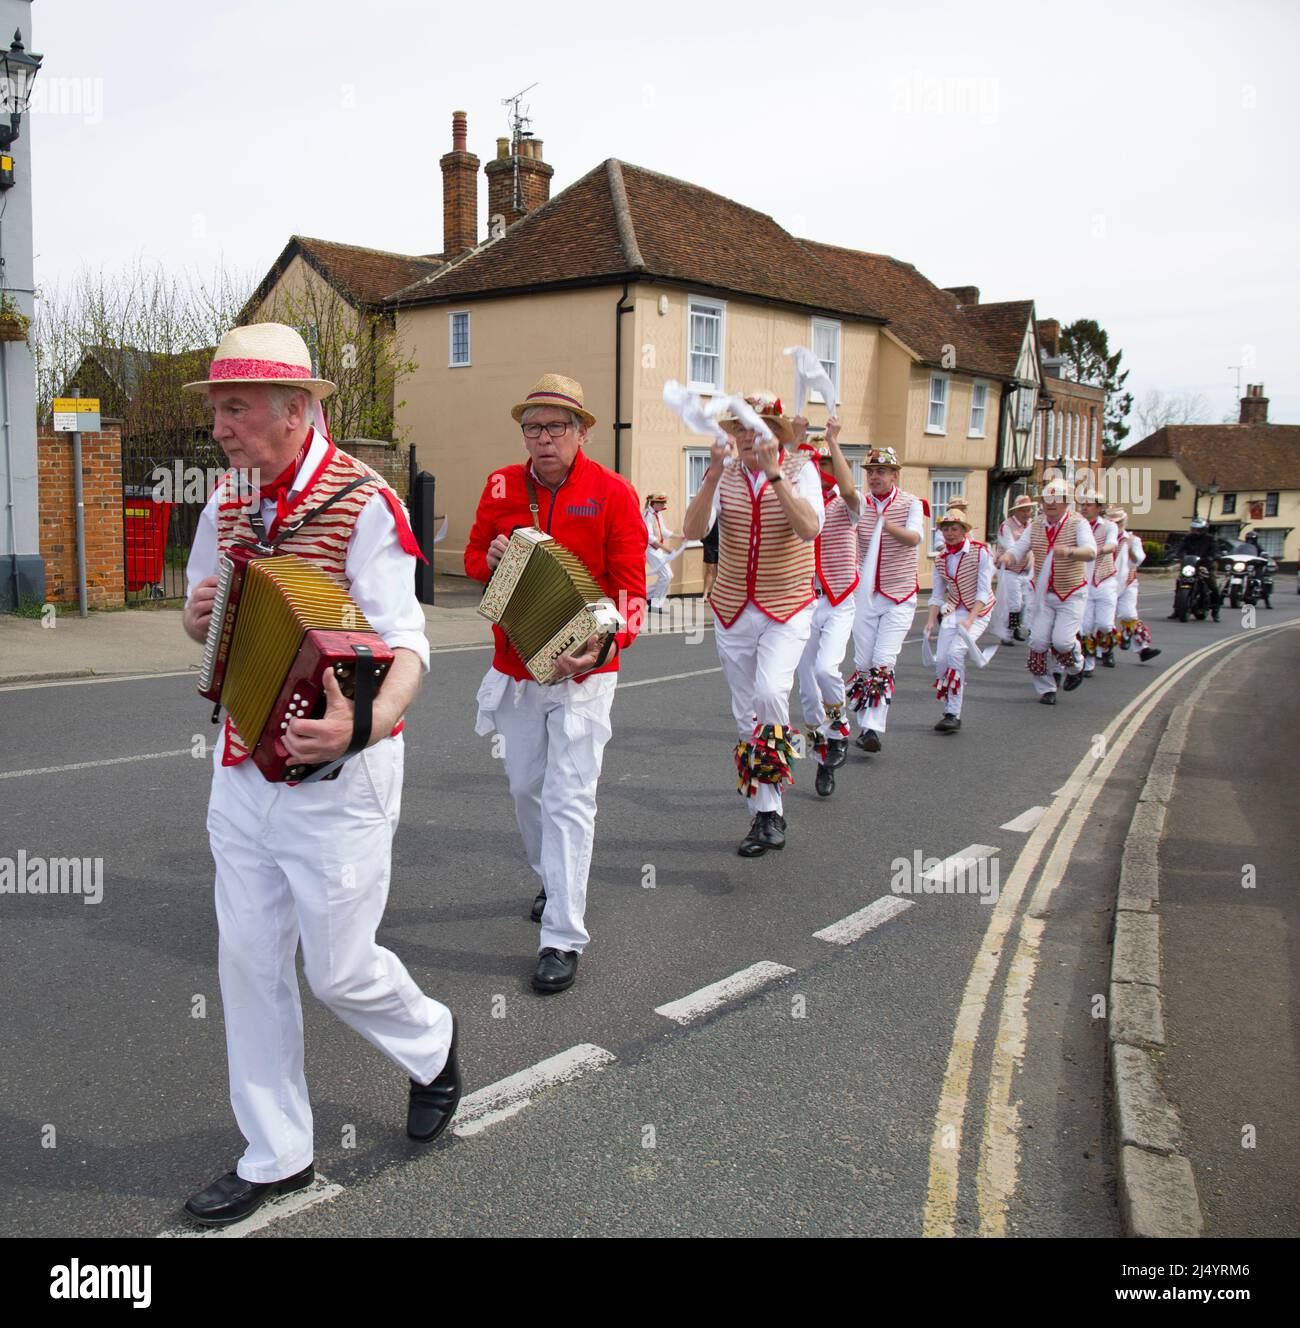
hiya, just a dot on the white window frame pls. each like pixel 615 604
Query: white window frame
pixel 1039 431
pixel 701 454
pixel 856 455
pixel 930 403
pixel 960 478
pixel 1096 432
pixel 837 328
pixel 1051 435
pixel 720 308
pixel 971 430
pixel 452 361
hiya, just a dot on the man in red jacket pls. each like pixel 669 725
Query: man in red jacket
pixel 555 736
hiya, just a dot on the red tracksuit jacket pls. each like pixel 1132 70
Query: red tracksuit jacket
pixel 594 513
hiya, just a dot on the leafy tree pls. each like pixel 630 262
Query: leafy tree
pixel 1085 349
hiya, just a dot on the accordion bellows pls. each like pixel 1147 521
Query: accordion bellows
pixel 546 601
pixel 277 624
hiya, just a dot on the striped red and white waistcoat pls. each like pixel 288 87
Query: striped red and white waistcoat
pixel 1066 577
pixel 960 590
pixel 323 541
pixel 1103 567
pixel 896 566
pixel 760 558
pixel 1011 530
pixel 837 552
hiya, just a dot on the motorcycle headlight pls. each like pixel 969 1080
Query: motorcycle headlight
pixel 1188 569
pixel 1238 567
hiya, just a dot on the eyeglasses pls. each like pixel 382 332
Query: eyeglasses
pixel 556 429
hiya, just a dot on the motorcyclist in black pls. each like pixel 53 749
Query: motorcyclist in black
pixel 1199 543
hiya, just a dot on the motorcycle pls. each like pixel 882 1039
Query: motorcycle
pixel 1194 592
pixel 1248 576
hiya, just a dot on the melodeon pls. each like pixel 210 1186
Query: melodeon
pixel 278 623
pixel 546 601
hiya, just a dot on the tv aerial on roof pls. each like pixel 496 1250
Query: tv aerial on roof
pixel 519 119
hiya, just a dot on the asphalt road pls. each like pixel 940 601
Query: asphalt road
pixel 808 1108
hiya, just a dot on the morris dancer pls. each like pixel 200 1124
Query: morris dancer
pixel 963 598
pixel 1061 541
pixel 308 862
pixel 1131 556
pixel 890 528
pixel 1013 583
pixel 1097 632
pixel 555 736
pixel 821 684
pixel 657 558
pixel 770 511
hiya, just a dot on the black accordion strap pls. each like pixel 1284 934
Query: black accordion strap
pixel 259 527
pixel 363 709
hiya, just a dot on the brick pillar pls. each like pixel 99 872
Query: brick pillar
pixel 1254 405
pixel 534 180
pixel 459 191
pixel 101 470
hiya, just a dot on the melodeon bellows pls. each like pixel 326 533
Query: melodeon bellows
pixel 546 601
pixel 277 624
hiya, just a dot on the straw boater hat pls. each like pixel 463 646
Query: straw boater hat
pixel 958 501
pixel 656 498
pixel 554 389
pixel 767 406
pixel 267 353
pixel 1116 514
pixel 1023 501
pixel 955 516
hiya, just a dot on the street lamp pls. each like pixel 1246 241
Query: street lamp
pixel 18 71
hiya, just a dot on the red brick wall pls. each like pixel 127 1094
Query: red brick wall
pixel 393 463
pixel 101 469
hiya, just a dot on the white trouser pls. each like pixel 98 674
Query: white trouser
pixel 879 626
pixel 1099 614
pixel 658 567
pixel 553 741
pixel 820 679
pixel 1056 627
pixel 950 653
pixel 759 657
pixel 1014 596
pixel 308 863
pixel 1126 606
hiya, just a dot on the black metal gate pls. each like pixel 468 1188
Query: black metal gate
pixel 165 484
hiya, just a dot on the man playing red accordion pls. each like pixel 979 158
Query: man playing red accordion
pixel 308 862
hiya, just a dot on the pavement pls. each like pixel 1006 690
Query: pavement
pixel 876 1062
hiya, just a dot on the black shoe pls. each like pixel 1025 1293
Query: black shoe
pixel 1047 698
pixel 1108 660
pixel 766 830
pixel 1073 680
pixel 432 1105
pixel 1216 615
pixel 232 1198
pixel 869 740
pixel 837 752
pixel 556 970
pixel 825 780
pixel 539 907
pixel 1150 652
pixel 948 724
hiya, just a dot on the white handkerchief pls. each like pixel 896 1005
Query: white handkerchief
pixel 927 651
pixel 980 658
pixel 810 372
pixel 690 410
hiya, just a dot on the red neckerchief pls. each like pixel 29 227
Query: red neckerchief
pixel 1053 533
pixel 277 491
pixel 893 489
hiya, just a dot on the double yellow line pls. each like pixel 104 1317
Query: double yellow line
pixel 999 1147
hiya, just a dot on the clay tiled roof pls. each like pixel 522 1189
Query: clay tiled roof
pixel 364 276
pixel 1003 327
pixel 1237 456
pixel 621 221
pixel 923 316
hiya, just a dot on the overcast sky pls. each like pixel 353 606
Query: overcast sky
pixel 1129 162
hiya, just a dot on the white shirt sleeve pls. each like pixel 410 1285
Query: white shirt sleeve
pixel 808 486
pixel 1084 537
pixel 939 585
pixel 383 580
pixel 916 517
pixel 1021 545
pixel 984 577
pixel 1137 553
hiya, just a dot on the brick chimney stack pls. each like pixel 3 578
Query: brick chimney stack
pixel 1049 336
pixel 459 191
pixel 534 180
pixel 965 294
pixel 1254 405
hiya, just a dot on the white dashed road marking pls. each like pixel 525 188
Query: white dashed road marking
pixel 717 994
pixel 1025 822
pixel 507 1097
pixel 847 930
pixel 958 863
pixel 273 1210
pixel 92 765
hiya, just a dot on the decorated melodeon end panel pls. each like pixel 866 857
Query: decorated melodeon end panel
pixel 546 601
pixel 282 624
